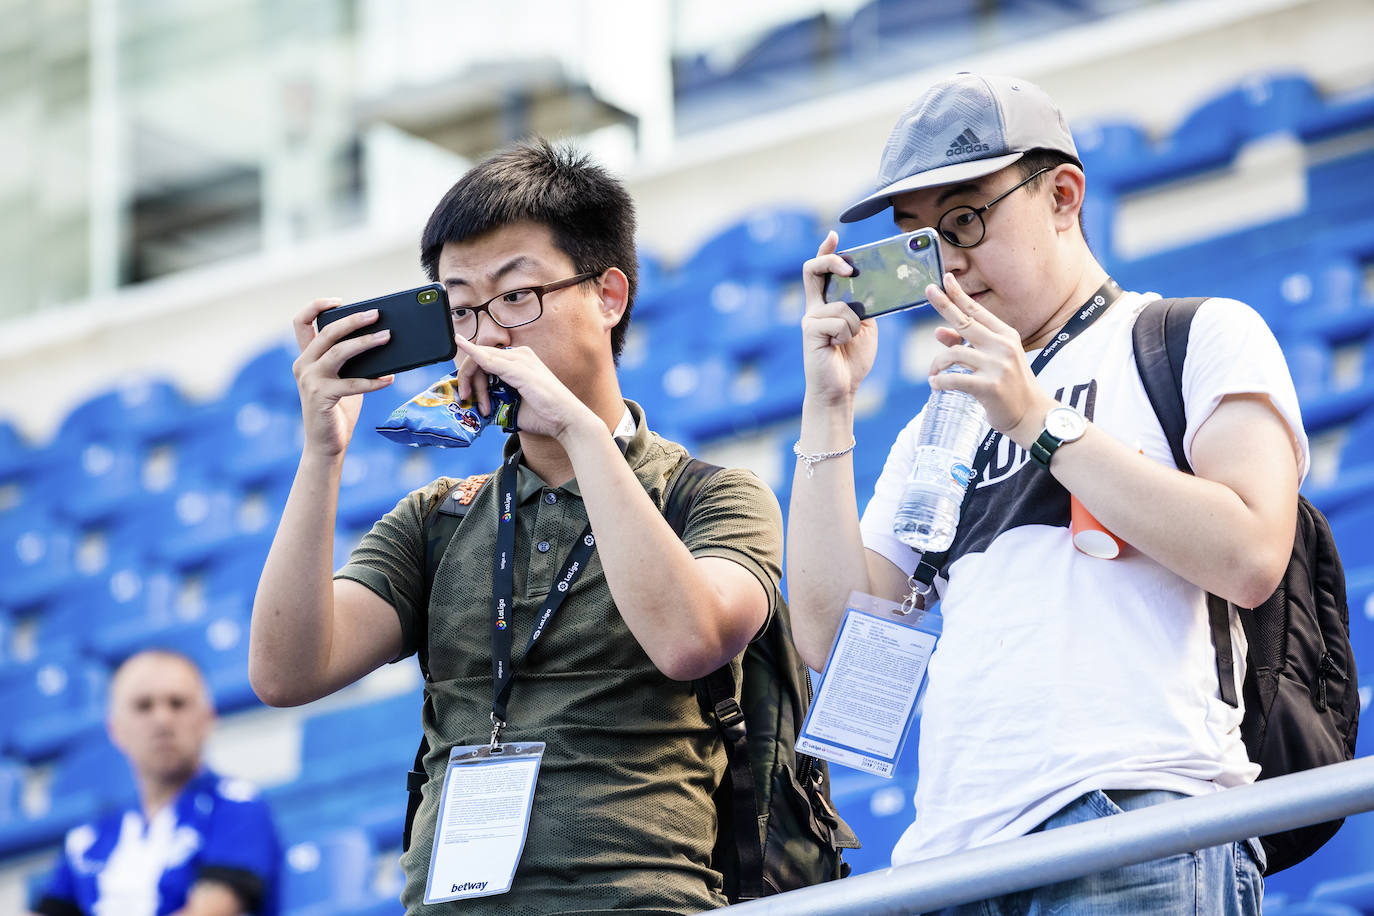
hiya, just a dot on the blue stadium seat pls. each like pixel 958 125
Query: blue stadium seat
pixel 767 243
pixel 11 790
pixel 878 810
pixel 790 48
pixel 138 408
pixel 875 433
pixel 373 801
pixel 197 524
pixel 1328 398
pixel 676 321
pixel 652 274
pixel 769 386
pixel 130 607
pixel 1282 907
pixel 745 316
pixel 37 558
pixel 694 397
pixel 55 700
pixel 17 454
pixel 267 377
pixel 1355 891
pixel 326 872
pixel 350 761
pixel 1111 150
pixel 886 31
pixel 88 779
pixel 1354 482
pixel 7 625
pixel 1325 300
pixel 341 743
pixel 1339 195
pixel 97 478
pixel 218 643
pixel 1353 529
pixel 1213 131
pixel 1349 111
pixel 1345 855
pixel 374 480
pixel 265 444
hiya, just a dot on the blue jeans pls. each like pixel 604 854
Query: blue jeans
pixel 1220 881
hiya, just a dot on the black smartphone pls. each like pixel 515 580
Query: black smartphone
pixel 889 275
pixel 421 332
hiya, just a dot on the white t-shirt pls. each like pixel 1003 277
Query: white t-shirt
pixel 1058 673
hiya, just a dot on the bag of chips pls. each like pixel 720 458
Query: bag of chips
pixel 437 417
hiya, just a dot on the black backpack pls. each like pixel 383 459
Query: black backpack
pixel 776 827
pixel 1302 703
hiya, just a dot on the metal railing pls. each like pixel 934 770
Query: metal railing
pixel 1188 824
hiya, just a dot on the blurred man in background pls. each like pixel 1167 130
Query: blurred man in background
pixel 536 249
pixel 196 844
pixel 1064 687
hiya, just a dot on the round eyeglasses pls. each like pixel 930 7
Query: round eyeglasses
pixel 963 227
pixel 512 308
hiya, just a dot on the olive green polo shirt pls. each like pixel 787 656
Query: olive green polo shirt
pixel 622 817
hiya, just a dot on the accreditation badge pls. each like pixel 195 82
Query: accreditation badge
pixel 873 679
pixel 484 817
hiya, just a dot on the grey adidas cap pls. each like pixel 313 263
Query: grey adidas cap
pixel 963 128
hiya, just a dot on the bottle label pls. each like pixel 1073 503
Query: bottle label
pixel 936 467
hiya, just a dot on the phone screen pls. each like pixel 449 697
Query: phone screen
pixel 889 275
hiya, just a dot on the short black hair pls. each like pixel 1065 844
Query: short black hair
pixel 588 212
pixel 1037 159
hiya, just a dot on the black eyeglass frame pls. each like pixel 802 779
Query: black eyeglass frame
pixel 539 293
pixel 979 211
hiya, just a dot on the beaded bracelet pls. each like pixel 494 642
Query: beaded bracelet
pixel 812 460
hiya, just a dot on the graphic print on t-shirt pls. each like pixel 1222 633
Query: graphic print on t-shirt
pixel 1007 494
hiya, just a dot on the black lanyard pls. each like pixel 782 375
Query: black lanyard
pixel 1091 310
pixel 503 594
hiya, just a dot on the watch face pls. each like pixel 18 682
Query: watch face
pixel 1065 423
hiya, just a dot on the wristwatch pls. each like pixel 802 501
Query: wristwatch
pixel 1062 424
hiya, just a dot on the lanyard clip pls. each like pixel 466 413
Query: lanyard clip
pixel 496 726
pixel 916 598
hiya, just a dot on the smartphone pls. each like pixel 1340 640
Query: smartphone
pixel 421 332
pixel 889 275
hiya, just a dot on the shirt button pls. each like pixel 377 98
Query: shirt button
pixel 550 498
pixel 542 546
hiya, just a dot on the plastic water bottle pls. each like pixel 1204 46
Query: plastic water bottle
pixel 951 428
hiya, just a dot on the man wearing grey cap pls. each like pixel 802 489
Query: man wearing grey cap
pixel 1064 687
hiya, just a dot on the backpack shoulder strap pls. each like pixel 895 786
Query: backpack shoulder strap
pixel 438 527
pixel 1160 341
pixel 1160 338
pixel 718 690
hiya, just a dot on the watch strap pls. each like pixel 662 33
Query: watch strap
pixel 1044 447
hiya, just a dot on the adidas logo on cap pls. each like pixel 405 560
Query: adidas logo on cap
pixel 966 143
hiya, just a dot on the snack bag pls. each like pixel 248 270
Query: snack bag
pixel 435 416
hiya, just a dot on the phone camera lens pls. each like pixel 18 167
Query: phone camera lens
pixel 427 296
pixel 918 242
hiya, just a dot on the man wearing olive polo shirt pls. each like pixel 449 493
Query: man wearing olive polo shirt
pixel 587 640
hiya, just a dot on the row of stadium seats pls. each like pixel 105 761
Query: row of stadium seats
pixel 146 519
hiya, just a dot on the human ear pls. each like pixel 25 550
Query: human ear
pixel 615 295
pixel 1067 185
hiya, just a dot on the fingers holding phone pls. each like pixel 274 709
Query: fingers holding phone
pixel 838 346
pixel 330 404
